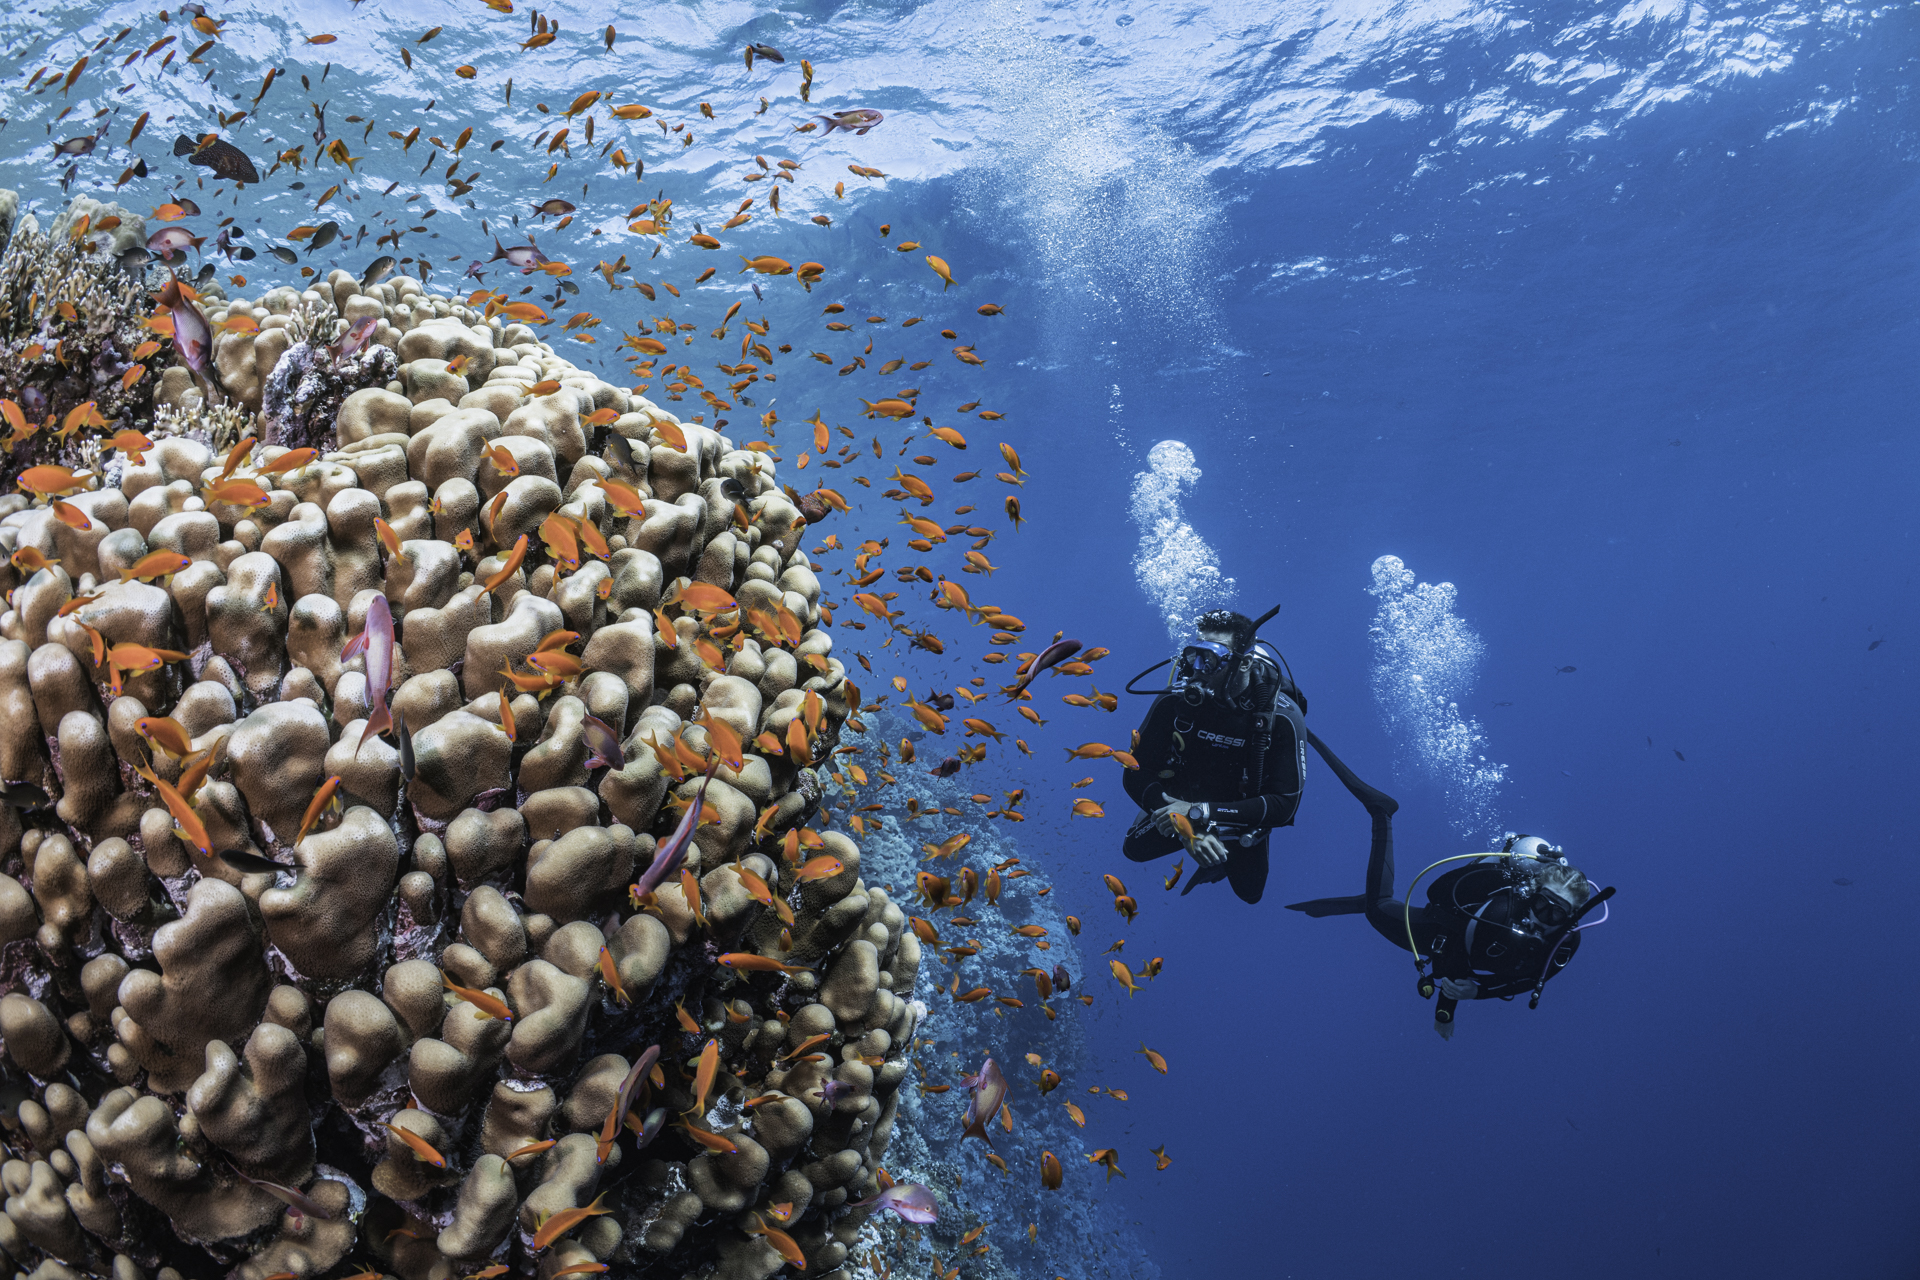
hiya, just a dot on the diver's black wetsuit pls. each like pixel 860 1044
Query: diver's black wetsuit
pixel 1466 928
pixel 1247 765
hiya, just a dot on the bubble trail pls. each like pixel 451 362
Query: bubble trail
pixel 1424 660
pixel 1174 566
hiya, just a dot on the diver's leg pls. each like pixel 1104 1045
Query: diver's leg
pixel 1377 901
pixel 1144 844
pixel 1373 798
pixel 1247 869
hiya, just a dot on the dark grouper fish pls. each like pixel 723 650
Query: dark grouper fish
pixel 226 160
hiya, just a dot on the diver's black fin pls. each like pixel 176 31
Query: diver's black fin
pixel 1354 906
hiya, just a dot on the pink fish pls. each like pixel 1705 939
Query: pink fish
pixel 298 1203
pixel 673 851
pixel 910 1200
pixel 624 1100
pixel 376 641
pixel 192 335
pixel 605 745
pixel 357 336
pixel 527 257
pixel 989 1092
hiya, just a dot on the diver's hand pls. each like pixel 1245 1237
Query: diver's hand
pixel 1163 816
pixel 1460 989
pixel 1209 851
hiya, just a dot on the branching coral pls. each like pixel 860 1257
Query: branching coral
pixel 267 1059
pixel 71 318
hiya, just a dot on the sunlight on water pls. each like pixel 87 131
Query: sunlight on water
pixel 1175 567
pixel 1424 660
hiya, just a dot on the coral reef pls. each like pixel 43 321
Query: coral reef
pixel 213 1065
pixel 72 314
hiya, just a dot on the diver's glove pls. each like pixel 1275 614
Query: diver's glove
pixel 1208 850
pixel 1460 988
pixel 1197 814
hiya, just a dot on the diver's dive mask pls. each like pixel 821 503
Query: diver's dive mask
pixel 1202 670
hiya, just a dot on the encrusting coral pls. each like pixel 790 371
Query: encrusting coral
pixel 213 1064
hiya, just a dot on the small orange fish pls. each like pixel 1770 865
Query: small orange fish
pixel 545 387
pixel 611 976
pixel 484 1004
pixel 503 461
pixel 237 455
pixel 292 460
pixel 420 1146
pixel 556 1225
pixel 687 1024
pixel 625 498
pixel 531 1149
pixel 512 565
pixel 237 493
pixel 703 1077
pixel 132 443
pixel 823 867
pixel 388 538
pixel 323 799
pixel 30 560
pixel 155 564
pixel 710 1140
pixel 782 1243
pixel 71 516
pixel 165 733
pixel 748 962
pixel 187 824
pixel 50 481
pixel 663 630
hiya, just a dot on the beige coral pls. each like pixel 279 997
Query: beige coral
pixel 201 989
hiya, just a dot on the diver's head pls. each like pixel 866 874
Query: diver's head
pixel 1555 888
pixel 1225 663
pixel 1224 626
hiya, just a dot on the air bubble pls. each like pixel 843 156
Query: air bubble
pixel 1175 567
pixel 1424 660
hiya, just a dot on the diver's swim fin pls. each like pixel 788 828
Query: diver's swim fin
pixel 1354 906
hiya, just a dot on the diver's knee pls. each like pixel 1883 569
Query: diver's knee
pixel 1382 805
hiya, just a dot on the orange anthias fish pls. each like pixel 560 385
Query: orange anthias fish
pixel 823 867
pixel 53 482
pixel 237 493
pixel 703 1077
pixel 71 516
pixel 323 799
pixel 556 1225
pixel 419 1145
pixel 748 962
pixel 165 733
pixel 292 460
pixel 485 1005
pixel 512 565
pixel 611 975
pixel 155 564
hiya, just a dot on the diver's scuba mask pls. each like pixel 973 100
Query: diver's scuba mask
pixel 1203 670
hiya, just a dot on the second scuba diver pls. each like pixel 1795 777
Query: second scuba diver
pixel 1498 926
pixel 1223 750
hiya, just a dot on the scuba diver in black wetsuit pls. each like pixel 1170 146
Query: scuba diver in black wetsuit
pixel 1224 748
pixel 1492 929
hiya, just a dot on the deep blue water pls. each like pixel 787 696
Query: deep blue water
pixel 1603 315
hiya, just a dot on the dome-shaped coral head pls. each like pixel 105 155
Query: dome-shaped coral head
pixel 910 1200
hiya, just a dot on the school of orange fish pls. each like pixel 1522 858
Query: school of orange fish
pixel 654 362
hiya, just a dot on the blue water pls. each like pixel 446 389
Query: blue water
pixel 1604 315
